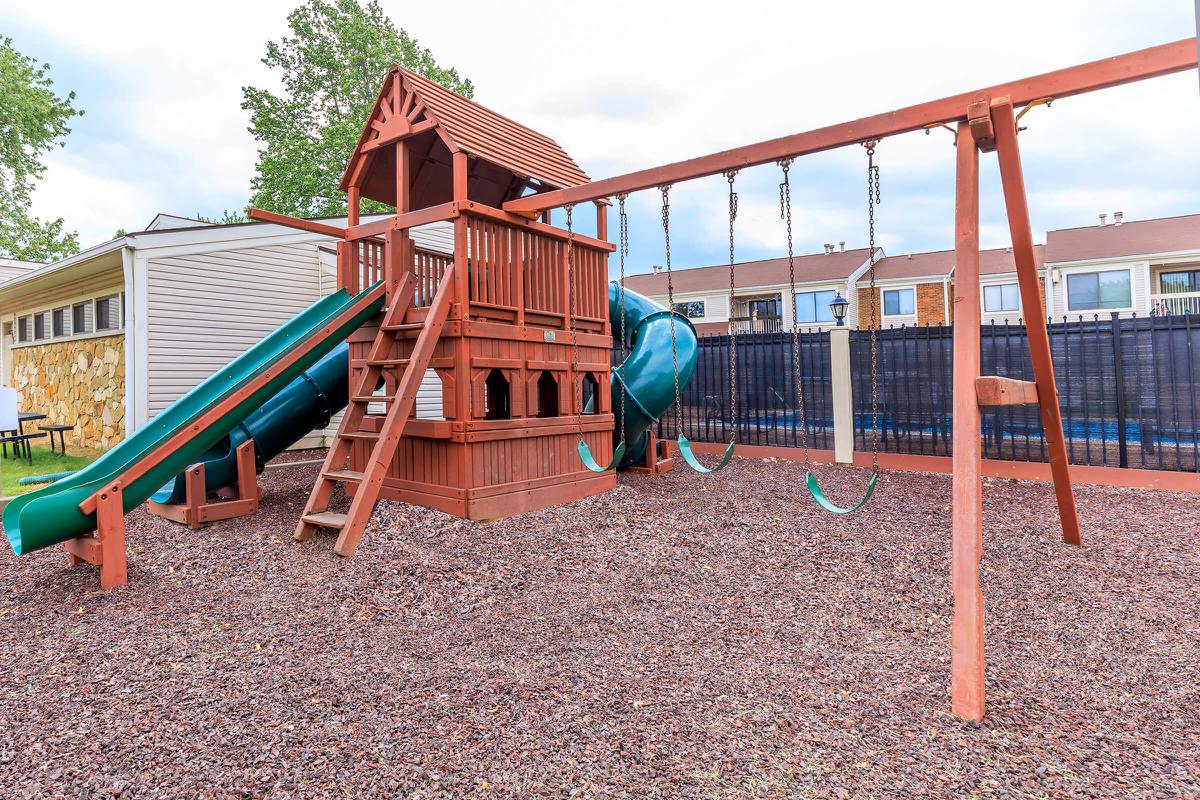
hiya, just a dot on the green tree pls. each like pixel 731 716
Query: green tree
pixel 33 120
pixel 227 218
pixel 330 69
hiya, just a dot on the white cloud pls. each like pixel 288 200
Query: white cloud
pixel 633 84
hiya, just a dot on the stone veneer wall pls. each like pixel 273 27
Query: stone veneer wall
pixel 79 382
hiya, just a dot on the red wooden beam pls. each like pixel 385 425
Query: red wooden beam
pixel 966 629
pixel 1139 65
pixel 296 222
pixel 1013 182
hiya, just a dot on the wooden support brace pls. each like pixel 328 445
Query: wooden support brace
pixel 106 547
pixel 979 117
pixel 993 390
pixel 196 510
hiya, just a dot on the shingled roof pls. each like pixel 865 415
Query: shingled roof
pixel 1142 237
pixel 940 263
pixel 812 268
pixel 515 154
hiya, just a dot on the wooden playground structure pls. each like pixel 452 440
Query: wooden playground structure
pixel 516 324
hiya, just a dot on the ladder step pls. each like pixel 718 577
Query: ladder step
pixel 344 475
pixel 375 398
pixel 326 519
pixel 359 363
pixel 366 435
pixel 403 326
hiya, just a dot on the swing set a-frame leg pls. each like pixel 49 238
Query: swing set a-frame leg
pixel 991 124
pixel 1013 181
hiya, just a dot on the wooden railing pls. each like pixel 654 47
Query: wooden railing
pixel 516 270
pixel 516 273
pixel 428 268
pixel 365 259
pixel 1175 303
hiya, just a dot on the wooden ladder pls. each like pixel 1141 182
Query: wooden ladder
pixel 353 523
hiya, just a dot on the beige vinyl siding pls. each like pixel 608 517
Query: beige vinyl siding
pixel 205 310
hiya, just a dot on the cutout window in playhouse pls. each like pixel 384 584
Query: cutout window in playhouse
pixel 496 401
pixel 547 395
pixel 591 394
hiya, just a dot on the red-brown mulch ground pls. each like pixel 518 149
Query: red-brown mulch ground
pixel 681 636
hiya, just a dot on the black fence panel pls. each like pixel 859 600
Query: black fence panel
pixel 1129 390
pixel 767 409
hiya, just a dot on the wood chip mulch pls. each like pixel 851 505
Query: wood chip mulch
pixel 681 636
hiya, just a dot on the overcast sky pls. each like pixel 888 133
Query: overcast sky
pixel 626 85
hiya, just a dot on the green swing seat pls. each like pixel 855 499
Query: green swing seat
pixel 689 457
pixel 585 455
pixel 814 489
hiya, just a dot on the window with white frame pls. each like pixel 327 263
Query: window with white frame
pixel 81 318
pixel 813 307
pixel 691 309
pixel 108 313
pixel 1100 291
pixel 1001 297
pixel 58 322
pixel 100 316
pixel 899 302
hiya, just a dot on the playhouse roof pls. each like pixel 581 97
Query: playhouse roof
pixel 460 125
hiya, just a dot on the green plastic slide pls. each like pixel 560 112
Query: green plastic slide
pixel 647 376
pixel 52 515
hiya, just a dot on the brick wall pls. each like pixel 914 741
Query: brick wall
pixel 931 304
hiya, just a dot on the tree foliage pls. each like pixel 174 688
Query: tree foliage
pixel 33 121
pixel 330 69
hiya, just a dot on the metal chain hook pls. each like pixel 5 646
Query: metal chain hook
pixel 785 212
pixel 665 189
pixel 873 198
pixel 569 208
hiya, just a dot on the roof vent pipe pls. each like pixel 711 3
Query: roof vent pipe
pixel 1103 219
pixel 656 269
pixel 1118 216
pixel 842 245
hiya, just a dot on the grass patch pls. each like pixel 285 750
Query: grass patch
pixel 44 462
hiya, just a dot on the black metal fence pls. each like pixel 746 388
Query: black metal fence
pixel 767 406
pixel 1129 388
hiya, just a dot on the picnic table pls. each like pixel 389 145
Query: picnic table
pixel 19 438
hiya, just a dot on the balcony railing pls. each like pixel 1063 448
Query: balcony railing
pixel 1162 305
pixel 758 324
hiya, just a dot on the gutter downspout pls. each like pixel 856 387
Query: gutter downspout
pixel 133 375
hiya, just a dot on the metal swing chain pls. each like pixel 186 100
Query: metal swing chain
pixel 571 319
pixel 666 223
pixel 785 213
pixel 733 207
pixel 622 252
pixel 873 199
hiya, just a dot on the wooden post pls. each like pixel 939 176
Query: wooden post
pixel 1013 181
pixel 966 631
pixel 110 525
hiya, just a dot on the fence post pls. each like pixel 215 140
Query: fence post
pixel 843 395
pixel 1119 369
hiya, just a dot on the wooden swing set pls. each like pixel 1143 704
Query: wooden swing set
pixel 986 121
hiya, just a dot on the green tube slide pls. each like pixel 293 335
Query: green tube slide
pixel 305 405
pixel 51 515
pixel 647 374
